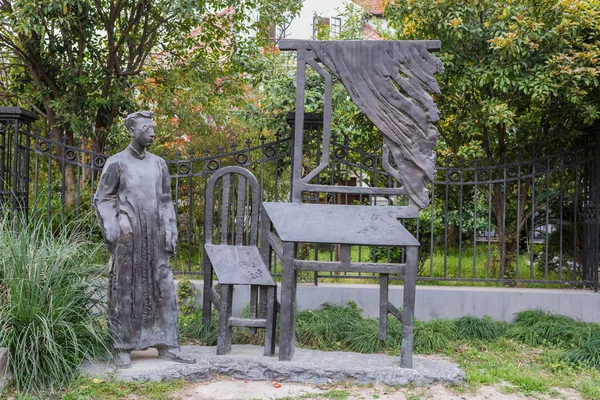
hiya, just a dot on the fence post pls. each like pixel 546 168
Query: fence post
pixel 591 215
pixel 15 125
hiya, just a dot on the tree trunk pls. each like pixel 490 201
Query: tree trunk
pixel 102 128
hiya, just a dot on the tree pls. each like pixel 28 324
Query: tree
pixel 516 71
pixel 78 58
pixel 201 99
pixel 521 77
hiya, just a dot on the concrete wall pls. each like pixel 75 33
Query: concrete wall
pixel 434 302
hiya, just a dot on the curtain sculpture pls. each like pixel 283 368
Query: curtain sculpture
pixel 392 82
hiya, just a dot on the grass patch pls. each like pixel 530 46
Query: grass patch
pixel 335 394
pixel 469 327
pixel 328 327
pixel 538 328
pixel 363 337
pixel 433 336
pixel 469 263
pixel 93 389
pixel 90 389
pixel 587 355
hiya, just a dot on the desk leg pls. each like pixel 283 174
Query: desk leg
pixel 383 305
pixel 258 306
pixel 287 316
pixel 408 312
pixel 253 306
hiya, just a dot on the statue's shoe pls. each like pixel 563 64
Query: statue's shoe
pixel 175 355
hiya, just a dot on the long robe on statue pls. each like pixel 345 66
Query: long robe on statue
pixel 134 196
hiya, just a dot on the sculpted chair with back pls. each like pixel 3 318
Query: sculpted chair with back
pixel 231 252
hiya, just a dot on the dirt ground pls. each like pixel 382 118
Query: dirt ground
pixel 227 388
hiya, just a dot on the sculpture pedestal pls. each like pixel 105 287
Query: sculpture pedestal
pixel 309 366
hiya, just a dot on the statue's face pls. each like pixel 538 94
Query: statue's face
pixel 143 132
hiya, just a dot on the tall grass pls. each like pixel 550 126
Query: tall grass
pixel 537 328
pixel 326 328
pixel 433 336
pixel 469 327
pixel 588 354
pixel 52 303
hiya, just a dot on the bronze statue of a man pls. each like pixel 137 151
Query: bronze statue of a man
pixel 137 219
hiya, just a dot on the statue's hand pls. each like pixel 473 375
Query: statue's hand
pixel 171 242
pixel 125 227
pixel 111 232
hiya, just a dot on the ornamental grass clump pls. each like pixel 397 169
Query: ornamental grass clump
pixel 537 327
pixel 52 303
pixel 191 328
pixel 534 317
pixel 326 328
pixel 470 327
pixel 433 336
pixel 363 337
pixel 588 354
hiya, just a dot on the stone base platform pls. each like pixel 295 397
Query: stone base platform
pixel 308 366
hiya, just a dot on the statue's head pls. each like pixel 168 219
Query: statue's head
pixel 140 127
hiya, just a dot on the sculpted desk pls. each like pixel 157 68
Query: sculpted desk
pixel 346 225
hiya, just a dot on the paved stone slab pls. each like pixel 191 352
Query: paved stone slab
pixel 308 366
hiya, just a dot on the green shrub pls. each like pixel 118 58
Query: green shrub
pixel 191 328
pixel 394 334
pixel 532 317
pixel 524 334
pixel 189 322
pixel 242 335
pixel 549 332
pixel 477 328
pixel 536 328
pixel 52 303
pixel 327 327
pixel 363 337
pixel 433 336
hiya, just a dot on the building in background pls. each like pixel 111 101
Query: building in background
pixel 321 19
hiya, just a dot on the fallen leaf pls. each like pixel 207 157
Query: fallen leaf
pixel 96 380
pixel 245 381
pixel 276 385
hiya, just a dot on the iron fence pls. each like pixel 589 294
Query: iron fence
pixel 531 221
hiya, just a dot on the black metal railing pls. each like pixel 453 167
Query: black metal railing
pixel 524 222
